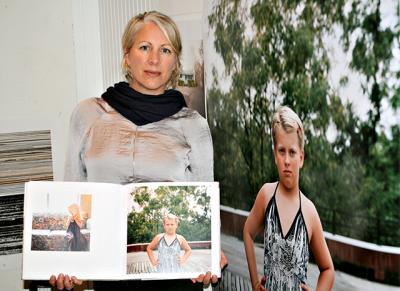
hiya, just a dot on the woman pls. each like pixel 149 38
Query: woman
pixel 141 131
pixel 76 240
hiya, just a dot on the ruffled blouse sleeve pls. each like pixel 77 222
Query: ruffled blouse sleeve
pixel 198 137
pixel 82 118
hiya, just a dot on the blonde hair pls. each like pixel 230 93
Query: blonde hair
pixel 74 210
pixel 167 26
pixel 289 121
pixel 171 216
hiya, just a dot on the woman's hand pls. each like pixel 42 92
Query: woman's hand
pixel 64 281
pixel 207 278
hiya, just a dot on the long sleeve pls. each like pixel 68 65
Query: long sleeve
pixel 82 118
pixel 198 136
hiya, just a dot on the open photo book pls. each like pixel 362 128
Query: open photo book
pixel 101 231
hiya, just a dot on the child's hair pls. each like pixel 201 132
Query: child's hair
pixel 289 121
pixel 171 216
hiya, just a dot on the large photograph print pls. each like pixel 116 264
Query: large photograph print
pixel 337 65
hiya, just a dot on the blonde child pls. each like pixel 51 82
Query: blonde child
pixel 288 218
pixel 169 246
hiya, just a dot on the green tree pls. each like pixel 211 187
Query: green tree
pixel 274 53
pixel 191 204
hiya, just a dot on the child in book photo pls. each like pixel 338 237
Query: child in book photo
pixel 76 240
pixel 169 245
pixel 288 219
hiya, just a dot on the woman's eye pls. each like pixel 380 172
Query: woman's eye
pixel 165 50
pixel 144 47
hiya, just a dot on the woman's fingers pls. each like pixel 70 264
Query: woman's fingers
pixel 214 279
pixel 76 281
pixel 60 282
pixel 207 279
pixel 53 280
pixel 223 261
pixel 198 279
pixel 68 284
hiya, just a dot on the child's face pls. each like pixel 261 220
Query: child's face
pixel 170 226
pixel 288 157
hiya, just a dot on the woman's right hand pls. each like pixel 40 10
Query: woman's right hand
pixel 64 281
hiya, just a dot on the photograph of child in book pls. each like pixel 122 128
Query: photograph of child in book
pixel 289 220
pixel 59 225
pixel 170 245
pixel 169 231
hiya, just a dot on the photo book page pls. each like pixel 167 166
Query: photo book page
pixel 102 231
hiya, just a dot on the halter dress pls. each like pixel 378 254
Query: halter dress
pixel 285 257
pixel 168 255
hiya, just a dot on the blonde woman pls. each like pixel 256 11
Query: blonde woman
pixel 76 240
pixel 141 130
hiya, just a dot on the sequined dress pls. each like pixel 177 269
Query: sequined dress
pixel 285 257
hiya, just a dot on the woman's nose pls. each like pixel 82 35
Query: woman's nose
pixel 154 57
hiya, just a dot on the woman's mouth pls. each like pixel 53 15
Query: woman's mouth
pixel 152 73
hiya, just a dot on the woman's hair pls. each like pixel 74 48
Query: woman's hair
pixel 74 210
pixel 289 121
pixel 171 216
pixel 167 26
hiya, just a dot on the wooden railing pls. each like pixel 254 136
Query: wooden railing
pixel 366 260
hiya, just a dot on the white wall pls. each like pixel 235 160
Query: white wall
pixel 37 79
pixel 50 56
pixel 37 84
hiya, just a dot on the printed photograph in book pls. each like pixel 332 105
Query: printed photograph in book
pixel 103 231
pixel 169 229
pixel 61 222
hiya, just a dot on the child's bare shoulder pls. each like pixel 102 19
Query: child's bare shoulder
pixel 310 214
pixel 266 192
pixel 308 206
pixel 180 238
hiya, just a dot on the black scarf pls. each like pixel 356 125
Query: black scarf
pixel 140 108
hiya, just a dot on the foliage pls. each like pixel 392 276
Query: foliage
pixel 274 53
pixel 190 204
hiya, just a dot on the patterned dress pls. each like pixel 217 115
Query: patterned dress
pixel 168 255
pixel 285 257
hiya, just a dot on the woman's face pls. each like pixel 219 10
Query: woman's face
pixel 151 60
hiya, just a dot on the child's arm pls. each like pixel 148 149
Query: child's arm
pixel 322 256
pixel 185 246
pixel 152 245
pixel 254 225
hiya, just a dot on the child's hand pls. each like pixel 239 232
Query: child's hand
pixel 180 260
pixel 260 285
pixel 154 262
pixel 303 287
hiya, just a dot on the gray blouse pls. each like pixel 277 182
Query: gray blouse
pixel 104 146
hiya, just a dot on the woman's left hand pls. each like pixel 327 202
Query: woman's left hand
pixel 207 278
